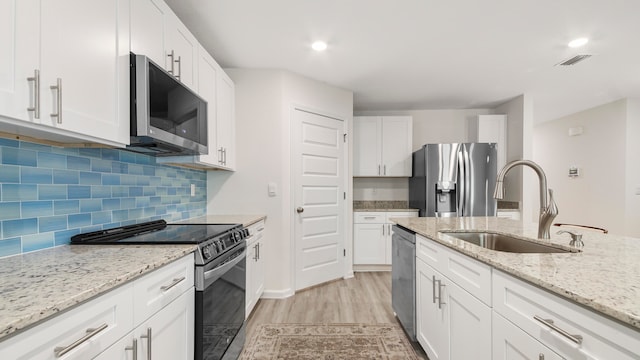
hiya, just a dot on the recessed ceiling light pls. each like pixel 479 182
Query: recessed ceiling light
pixel 578 42
pixel 319 46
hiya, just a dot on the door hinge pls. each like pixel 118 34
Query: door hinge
pixel 344 252
pixel 344 137
pixel 344 195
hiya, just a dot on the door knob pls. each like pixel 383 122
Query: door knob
pixel 300 209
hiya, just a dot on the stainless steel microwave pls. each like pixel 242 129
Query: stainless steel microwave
pixel 167 118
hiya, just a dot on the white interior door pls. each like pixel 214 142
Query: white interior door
pixel 319 203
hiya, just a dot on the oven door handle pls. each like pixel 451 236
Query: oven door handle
pixel 215 273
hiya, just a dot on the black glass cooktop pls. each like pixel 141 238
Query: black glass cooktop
pixel 158 232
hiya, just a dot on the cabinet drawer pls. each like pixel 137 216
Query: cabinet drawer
pixel 400 214
pixel 602 338
pixel 471 275
pixel 256 232
pixel 369 217
pixel 157 289
pixel 92 326
pixel 510 342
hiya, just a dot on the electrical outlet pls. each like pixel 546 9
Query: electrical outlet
pixel 193 189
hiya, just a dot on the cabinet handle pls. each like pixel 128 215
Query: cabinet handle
pixel 91 332
pixel 175 282
pixel 58 88
pixel 220 156
pixel 179 61
pixel 548 322
pixel 383 229
pixel 148 337
pixel 259 230
pixel 440 286
pixel 133 348
pixel 36 94
pixel 433 288
pixel 172 56
pixel 378 169
pixel 255 252
pixel 225 156
pixel 258 245
pixel 370 217
pixel 385 170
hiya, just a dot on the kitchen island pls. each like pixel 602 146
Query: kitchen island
pixel 571 304
pixel 603 276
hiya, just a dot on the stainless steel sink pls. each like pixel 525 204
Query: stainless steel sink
pixel 506 243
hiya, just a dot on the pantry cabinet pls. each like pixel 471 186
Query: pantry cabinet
pixel 382 146
pixel 372 236
pixel 58 79
pixel 159 34
pixel 255 266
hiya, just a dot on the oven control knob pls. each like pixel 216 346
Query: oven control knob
pixel 207 251
pixel 220 245
pixel 246 232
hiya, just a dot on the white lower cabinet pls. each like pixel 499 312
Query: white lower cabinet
pixel 372 236
pixel 108 326
pixel 81 333
pixel 564 327
pixel 511 343
pixel 467 310
pixel 166 335
pixel 451 323
pixel 255 266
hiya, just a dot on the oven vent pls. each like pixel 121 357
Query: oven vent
pixel 574 60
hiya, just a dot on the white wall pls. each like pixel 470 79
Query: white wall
pixel 519 113
pixel 264 99
pixel 602 153
pixel 429 126
pixel 436 126
pixel 632 211
pixel 381 189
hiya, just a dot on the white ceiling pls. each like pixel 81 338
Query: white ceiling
pixel 434 54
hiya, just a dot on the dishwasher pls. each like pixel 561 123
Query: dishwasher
pixel 403 279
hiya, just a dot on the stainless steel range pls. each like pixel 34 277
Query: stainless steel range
pixel 220 278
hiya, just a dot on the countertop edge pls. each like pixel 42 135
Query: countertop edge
pixel 40 315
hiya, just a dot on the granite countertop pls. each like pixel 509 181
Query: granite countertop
pixel 35 286
pixel 245 220
pixel 381 205
pixel 603 277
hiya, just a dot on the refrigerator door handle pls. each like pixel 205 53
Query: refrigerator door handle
pixel 460 185
pixel 468 200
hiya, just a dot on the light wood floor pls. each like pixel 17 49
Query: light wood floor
pixel 366 298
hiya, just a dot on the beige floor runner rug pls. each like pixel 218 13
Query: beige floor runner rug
pixel 328 342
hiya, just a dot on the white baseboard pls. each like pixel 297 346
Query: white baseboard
pixel 277 294
pixel 364 268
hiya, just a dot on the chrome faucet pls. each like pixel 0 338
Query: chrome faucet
pixel 548 208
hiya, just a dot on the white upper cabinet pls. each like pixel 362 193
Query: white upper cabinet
pixel 491 129
pixel 226 120
pixel 67 67
pixel 219 91
pixel 382 146
pixel 158 33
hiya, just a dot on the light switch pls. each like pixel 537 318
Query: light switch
pixel 273 189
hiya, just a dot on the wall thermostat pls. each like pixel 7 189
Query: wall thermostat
pixel 574 171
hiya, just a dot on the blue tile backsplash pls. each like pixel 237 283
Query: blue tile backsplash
pixel 48 194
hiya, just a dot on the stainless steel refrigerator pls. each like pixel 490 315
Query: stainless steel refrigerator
pixel 452 180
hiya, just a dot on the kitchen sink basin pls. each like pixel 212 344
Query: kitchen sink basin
pixel 506 243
